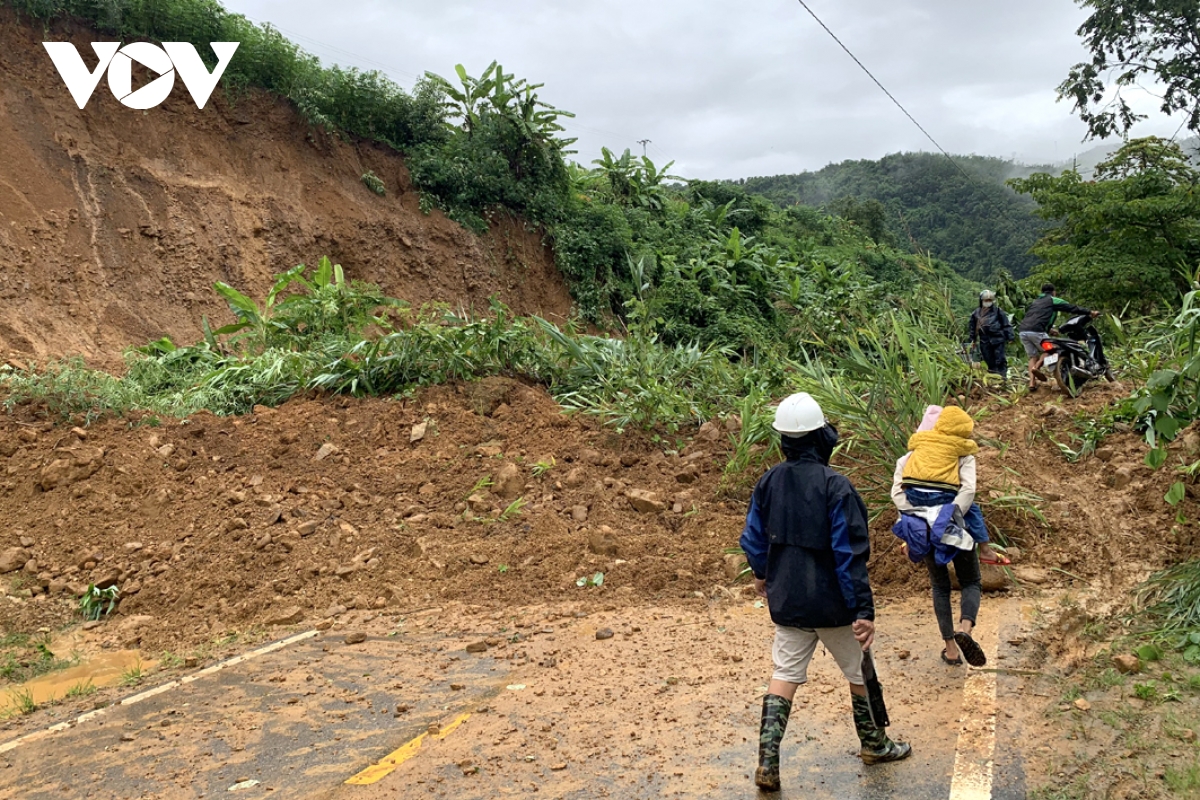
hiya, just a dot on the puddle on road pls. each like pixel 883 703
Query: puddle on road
pixel 105 669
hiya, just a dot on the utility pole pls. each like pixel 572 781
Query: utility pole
pixel 643 143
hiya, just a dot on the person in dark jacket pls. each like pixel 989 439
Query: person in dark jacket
pixel 1039 319
pixel 991 327
pixel 806 540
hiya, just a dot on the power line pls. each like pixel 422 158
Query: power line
pixel 884 88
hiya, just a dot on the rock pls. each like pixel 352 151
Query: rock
pixel 73 465
pixel 993 578
pixel 733 423
pixel 477 647
pixel 1032 575
pixel 1120 478
pixel 457 687
pixel 710 432
pixel 107 578
pixel 579 513
pixel 479 503
pixel 603 544
pixel 132 547
pixel 286 616
pixel 355 637
pixel 1105 453
pixel 688 474
pixel 734 563
pixel 26 542
pixel 13 559
pixel 645 502
pixel 308 528
pixel 326 450
pixel 236 524
pixel 575 478
pixel 1191 443
pixel 630 460
pixel 509 482
pixel 1127 663
pixel 418 432
pixel 478 560
pixel 1014 553
pixel 604 633
pixel 904 655
pixel 1083 705
pixel 345 571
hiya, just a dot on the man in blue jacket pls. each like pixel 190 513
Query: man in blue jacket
pixel 807 542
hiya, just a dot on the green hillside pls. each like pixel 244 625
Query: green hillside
pixel 923 202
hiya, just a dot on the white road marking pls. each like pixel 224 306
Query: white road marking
pixel 975 754
pixel 137 698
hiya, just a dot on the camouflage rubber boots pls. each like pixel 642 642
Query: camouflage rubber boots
pixel 775 713
pixel 877 748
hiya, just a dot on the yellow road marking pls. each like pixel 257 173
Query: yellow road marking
pixel 388 764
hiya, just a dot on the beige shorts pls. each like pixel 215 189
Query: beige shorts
pixel 794 648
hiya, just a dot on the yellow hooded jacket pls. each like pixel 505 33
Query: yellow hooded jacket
pixel 935 453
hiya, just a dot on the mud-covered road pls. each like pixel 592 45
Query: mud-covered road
pixel 666 707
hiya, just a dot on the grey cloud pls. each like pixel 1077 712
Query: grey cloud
pixel 730 90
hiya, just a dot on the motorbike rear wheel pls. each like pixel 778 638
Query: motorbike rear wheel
pixel 1067 381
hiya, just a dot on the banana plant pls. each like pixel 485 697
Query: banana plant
pixel 259 323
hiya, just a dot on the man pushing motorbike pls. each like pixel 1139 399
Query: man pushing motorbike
pixel 1035 328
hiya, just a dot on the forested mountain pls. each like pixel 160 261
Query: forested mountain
pixel 958 211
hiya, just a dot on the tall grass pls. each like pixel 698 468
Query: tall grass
pixel 879 389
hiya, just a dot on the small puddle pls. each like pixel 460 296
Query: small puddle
pixel 106 669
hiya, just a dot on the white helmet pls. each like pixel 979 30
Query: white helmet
pixel 798 414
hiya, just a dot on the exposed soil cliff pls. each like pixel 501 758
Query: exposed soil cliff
pixel 114 223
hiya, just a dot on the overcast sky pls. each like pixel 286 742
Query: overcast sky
pixel 731 90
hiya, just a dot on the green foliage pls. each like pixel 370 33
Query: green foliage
pixel 1170 398
pixel 924 202
pixel 97 603
pixel 1129 237
pixel 374 183
pixel 1171 600
pixel 879 389
pixel 132 675
pixel 1135 43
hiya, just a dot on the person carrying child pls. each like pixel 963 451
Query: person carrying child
pixel 939 470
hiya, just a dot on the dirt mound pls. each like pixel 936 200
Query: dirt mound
pixel 290 514
pixel 483 493
pixel 114 223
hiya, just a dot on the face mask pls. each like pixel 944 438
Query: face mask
pixel 987 303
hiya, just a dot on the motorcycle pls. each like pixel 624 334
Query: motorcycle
pixel 1077 356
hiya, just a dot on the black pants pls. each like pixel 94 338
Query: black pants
pixel 994 356
pixel 966 567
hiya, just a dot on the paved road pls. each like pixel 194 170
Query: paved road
pixel 560 713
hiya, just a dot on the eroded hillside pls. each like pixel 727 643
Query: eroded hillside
pixel 114 223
